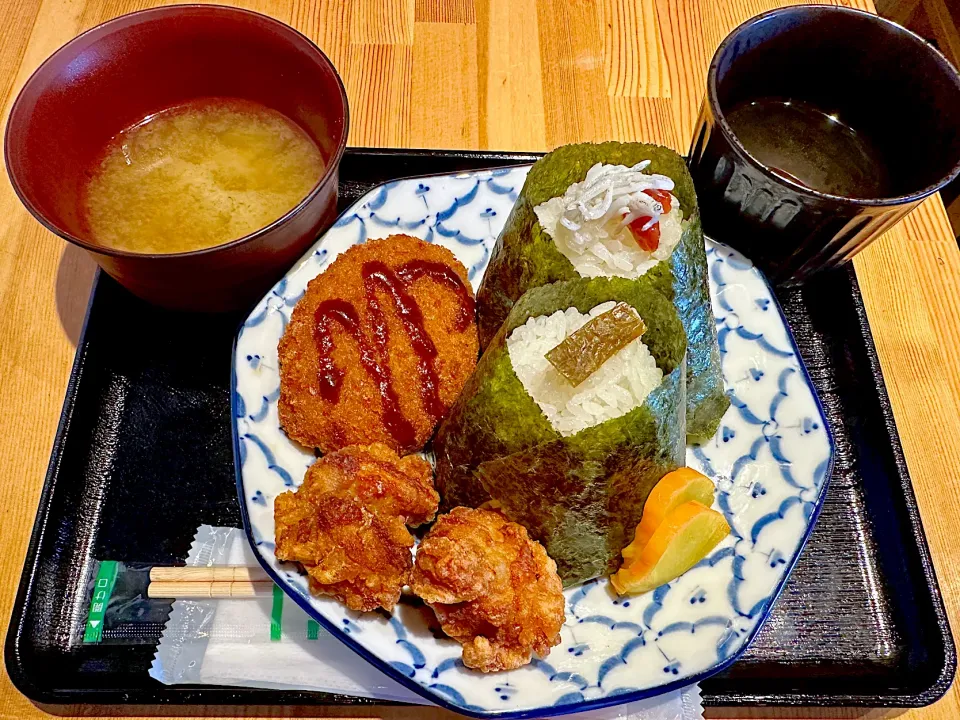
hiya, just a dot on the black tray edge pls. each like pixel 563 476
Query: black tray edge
pixel 942 683
pixel 11 651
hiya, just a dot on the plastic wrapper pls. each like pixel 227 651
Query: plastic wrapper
pixel 243 643
pixel 258 642
pixel 581 496
pixel 526 257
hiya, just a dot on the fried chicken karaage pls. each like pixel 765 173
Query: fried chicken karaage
pixel 493 589
pixel 347 523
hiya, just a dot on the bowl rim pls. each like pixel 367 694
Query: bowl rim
pixel 713 102
pixel 120 24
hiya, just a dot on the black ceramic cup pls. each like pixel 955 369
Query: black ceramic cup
pixel 899 95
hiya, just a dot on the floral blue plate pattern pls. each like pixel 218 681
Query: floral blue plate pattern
pixel 770 460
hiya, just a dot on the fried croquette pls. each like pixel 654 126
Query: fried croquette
pixel 493 589
pixel 347 523
pixel 378 348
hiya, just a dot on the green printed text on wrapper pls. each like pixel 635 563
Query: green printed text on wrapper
pixel 99 598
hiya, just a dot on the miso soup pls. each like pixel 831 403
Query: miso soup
pixel 198 175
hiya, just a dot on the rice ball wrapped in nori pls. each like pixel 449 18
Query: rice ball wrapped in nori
pixel 518 437
pixel 526 255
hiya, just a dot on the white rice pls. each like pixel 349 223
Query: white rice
pixel 589 222
pixel 617 387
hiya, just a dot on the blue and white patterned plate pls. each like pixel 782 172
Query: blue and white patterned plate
pixel 770 460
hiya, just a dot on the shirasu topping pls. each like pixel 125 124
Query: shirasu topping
pixel 590 222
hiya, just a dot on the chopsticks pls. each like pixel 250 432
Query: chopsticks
pixel 231 581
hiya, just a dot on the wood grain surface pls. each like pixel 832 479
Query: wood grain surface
pixel 499 74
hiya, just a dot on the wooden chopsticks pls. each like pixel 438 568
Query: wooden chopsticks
pixel 231 581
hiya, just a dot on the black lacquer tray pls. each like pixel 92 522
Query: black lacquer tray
pixel 143 456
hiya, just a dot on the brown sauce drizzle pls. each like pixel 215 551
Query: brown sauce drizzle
pixel 374 357
pixel 327 313
pixel 444 275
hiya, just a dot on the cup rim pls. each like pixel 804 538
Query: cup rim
pixel 714 102
pixel 128 20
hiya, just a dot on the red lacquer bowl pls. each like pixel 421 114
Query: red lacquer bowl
pixel 119 72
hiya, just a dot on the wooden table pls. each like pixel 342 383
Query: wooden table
pixel 500 74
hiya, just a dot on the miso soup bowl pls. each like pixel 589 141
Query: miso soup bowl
pixel 123 70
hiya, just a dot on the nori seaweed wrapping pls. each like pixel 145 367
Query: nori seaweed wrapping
pixel 525 257
pixel 582 496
